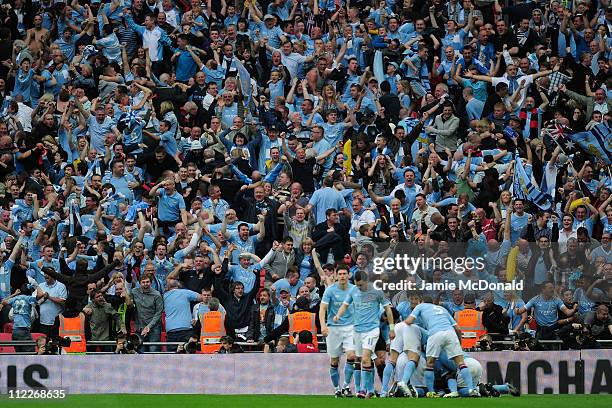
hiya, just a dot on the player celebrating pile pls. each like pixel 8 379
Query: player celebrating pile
pixel 443 335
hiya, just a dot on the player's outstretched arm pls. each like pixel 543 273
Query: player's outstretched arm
pixel 410 320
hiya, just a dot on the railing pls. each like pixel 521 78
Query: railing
pixel 248 347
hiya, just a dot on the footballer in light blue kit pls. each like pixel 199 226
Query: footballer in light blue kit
pixel 457 385
pixel 367 302
pixel 339 335
pixel 444 335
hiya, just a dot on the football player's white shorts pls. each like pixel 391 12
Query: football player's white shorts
pixel 407 338
pixel 366 341
pixel 446 340
pixel 418 377
pixel 475 371
pixel 339 339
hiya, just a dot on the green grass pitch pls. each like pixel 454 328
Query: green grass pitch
pixel 298 401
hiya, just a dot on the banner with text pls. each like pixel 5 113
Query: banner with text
pixel 567 372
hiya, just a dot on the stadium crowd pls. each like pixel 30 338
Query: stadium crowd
pixel 201 172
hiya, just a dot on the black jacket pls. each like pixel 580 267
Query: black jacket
pixel 255 326
pixel 77 284
pixel 238 310
pixel 320 230
pixel 494 320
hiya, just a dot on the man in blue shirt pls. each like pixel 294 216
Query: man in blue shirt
pixel 124 183
pixel 518 220
pixel 186 66
pixel 22 303
pixel 245 273
pixel 443 335
pixel 545 307
pixel 367 302
pixel 339 335
pixel 177 305
pixel 53 304
pixel 241 239
pixel 35 267
pixel 99 125
pixel 325 198
pixel 171 206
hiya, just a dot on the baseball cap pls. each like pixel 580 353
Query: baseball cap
pixel 196 145
pixel 268 17
pixel 244 255
pixel 284 290
pixel 273 127
pixel 514 117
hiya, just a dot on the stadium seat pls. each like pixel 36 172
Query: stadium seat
pixel 6 337
pixel 7 328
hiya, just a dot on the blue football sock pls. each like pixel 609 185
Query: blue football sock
pixel 408 371
pixel 421 392
pixel 369 387
pixel 357 375
pixel 349 369
pixel 504 389
pixel 464 392
pixel 452 384
pixel 429 379
pixel 387 374
pixel 364 379
pixel 335 376
pixel 466 376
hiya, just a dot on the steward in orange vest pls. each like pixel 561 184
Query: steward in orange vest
pixel 469 321
pixel 300 319
pixel 212 328
pixel 74 329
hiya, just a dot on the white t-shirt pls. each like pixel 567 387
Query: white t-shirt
pixel 527 79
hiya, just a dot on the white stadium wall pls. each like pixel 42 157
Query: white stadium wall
pixel 573 372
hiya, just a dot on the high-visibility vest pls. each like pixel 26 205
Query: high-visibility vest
pixel 213 328
pixel 74 329
pixel 302 321
pixel 469 322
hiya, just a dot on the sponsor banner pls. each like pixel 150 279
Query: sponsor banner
pixel 299 374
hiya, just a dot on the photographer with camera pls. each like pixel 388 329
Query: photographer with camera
pixel 41 346
pixel 597 325
pixel 189 347
pixel 281 346
pixel 50 346
pixel 127 345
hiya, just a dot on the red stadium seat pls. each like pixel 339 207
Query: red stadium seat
pixel 6 337
pixel 7 328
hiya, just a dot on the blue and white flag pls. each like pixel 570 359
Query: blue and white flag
pixel 525 189
pixel 130 119
pixel 94 168
pixel 245 82
pixel 597 142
